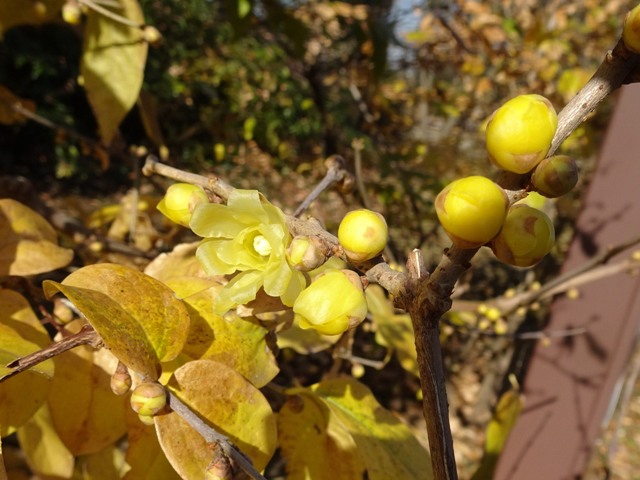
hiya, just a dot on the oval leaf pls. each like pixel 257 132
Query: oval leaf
pixel 113 60
pixel 20 334
pixel 46 454
pixel 385 446
pixel 145 458
pixel 230 404
pixel 139 318
pixel 28 243
pixel 239 343
pixel 86 414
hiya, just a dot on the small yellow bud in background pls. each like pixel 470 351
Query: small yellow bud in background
pixel 471 210
pixel 219 151
pixel 526 237
pixel 363 234
pixel 121 380
pixel 332 304
pixel 151 35
pixel 180 201
pixel 631 30
pixel 493 314
pixel 71 13
pixel 146 419
pixel 520 132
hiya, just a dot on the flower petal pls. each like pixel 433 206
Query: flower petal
pixel 239 291
pixel 209 259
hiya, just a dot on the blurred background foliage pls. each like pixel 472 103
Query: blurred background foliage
pixel 262 91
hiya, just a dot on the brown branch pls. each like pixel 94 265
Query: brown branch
pixel 611 74
pixel 86 336
pixel 212 436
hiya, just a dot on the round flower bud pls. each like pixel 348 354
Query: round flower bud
pixel 363 234
pixel 520 132
pixel 471 210
pixel 180 201
pixel 151 35
pixel 71 13
pixel 631 30
pixel 555 176
pixel 332 304
pixel 526 237
pixel 148 399
pixel 305 253
pixel 121 380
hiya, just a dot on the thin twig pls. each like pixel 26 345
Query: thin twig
pixel 112 15
pixel 212 183
pixel 212 436
pixel 335 172
pixel 86 336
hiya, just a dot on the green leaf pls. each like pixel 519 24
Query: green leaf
pixel 86 414
pixel 393 331
pixel 21 334
pixel 139 318
pixel 112 66
pixel 28 243
pixel 504 419
pixel 344 415
pixel 45 452
pixel 229 403
pixel 239 343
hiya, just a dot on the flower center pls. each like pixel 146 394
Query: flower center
pixel 261 245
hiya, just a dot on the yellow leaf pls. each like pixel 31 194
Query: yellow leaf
pixel 113 60
pixel 28 244
pixel 385 446
pixel 45 453
pixel 103 465
pixel 145 458
pixel 139 318
pixel 180 262
pixel 394 331
pixel 18 12
pixel 239 343
pixel 316 448
pixel 85 413
pixel 504 419
pixel 20 334
pixel 230 404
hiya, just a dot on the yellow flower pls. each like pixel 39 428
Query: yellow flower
pixel 332 304
pixel 248 235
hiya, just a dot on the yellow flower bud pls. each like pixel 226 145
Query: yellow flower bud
pixel 631 30
pixel 148 399
pixel 180 201
pixel 305 253
pixel 362 234
pixel 520 132
pixel 471 210
pixel 332 304
pixel 526 237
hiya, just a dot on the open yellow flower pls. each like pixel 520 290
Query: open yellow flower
pixel 248 235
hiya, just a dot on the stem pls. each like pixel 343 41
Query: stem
pixel 335 173
pixel 112 15
pixel 212 436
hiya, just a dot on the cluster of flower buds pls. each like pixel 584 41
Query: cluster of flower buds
pixel 474 211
